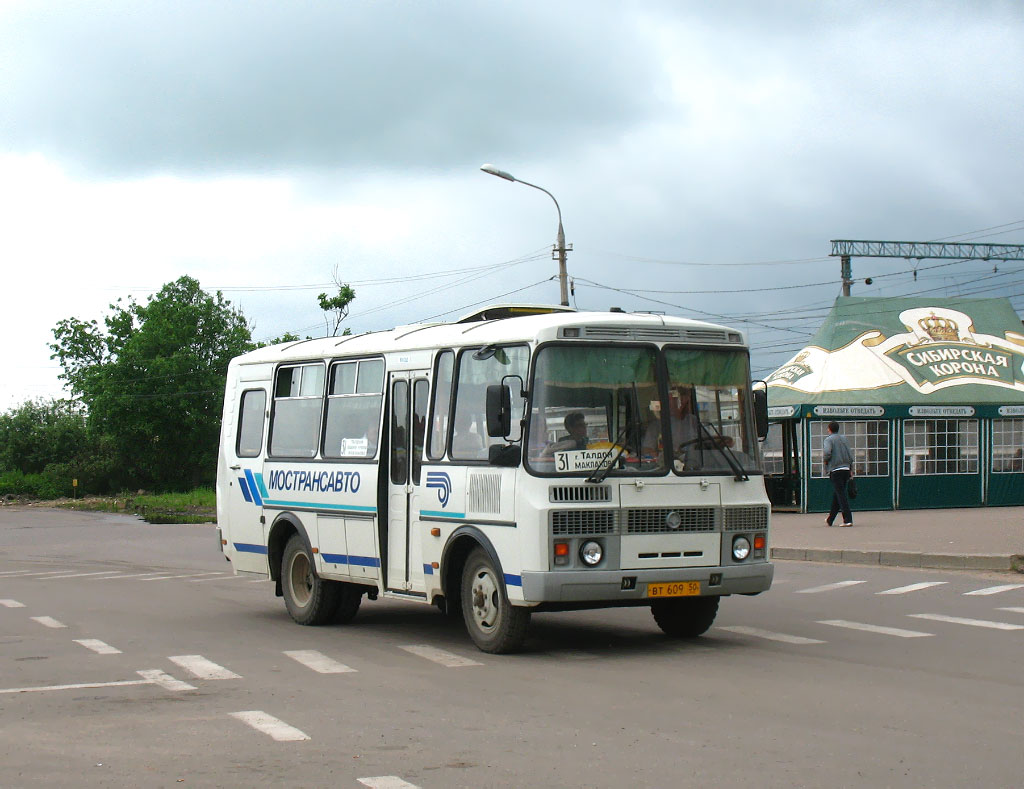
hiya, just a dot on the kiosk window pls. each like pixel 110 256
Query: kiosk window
pixel 869 443
pixel 940 446
pixel 1007 446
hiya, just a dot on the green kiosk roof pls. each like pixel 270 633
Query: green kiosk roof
pixel 907 352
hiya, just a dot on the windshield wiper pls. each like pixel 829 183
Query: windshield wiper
pixel 718 440
pixel 602 471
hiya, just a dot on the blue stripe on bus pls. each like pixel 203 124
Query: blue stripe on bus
pixel 312 505
pixel 252 488
pixel 513 580
pixel 245 547
pixel 260 485
pixel 436 514
pixel 359 561
pixel 245 489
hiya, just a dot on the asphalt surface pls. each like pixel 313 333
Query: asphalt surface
pixel 130 656
pixel 978 538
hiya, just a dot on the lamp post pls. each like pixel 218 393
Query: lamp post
pixel 560 249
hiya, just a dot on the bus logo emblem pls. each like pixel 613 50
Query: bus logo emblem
pixel 443 483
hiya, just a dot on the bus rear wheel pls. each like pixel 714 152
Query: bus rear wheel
pixel 494 624
pixel 685 617
pixel 310 599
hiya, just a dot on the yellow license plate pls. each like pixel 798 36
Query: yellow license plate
pixel 674 589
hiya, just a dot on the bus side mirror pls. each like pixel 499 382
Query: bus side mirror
pixel 499 410
pixel 761 413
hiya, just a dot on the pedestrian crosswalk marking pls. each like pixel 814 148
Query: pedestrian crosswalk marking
pixel 202 668
pixel 11 604
pixel 97 646
pixel 49 621
pixel 885 631
pixel 268 724
pixel 829 587
pixel 912 587
pixel 996 589
pixel 1011 609
pixel 164 680
pixel 318 661
pixel 447 659
pixel 386 782
pixel 757 632
pixel 959 620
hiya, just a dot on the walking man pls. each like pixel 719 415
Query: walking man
pixel 838 459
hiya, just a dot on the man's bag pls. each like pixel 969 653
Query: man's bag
pixel 851 488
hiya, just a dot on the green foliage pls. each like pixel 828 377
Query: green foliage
pixel 152 379
pixel 38 431
pixel 336 307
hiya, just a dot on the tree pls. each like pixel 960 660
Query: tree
pixel 336 307
pixel 40 432
pixel 152 379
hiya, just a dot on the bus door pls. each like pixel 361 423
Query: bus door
pixel 243 455
pixel 409 395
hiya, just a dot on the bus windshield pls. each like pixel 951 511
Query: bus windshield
pixel 599 408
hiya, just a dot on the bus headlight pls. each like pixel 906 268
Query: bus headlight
pixel 740 548
pixel 591 553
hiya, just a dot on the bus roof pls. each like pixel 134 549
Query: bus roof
pixel 503 324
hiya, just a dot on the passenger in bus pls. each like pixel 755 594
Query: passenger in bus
pixel 576 424
pixel 467 444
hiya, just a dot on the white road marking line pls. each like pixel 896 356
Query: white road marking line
pixel 48 572
pixel 386 782
pixel 11 604
pixel 164 680
pixel 132 575
pixel 318 661
pixel 81 686
pixel 913 587
pixel 169 577
pixel 201 668
pixel 448 659
pixel 268 724
pixel 1011 609
pixel 885 631
pixel 959 620
pixel 97 646
pixel 995 589
pixel 829 587
pixel 229 578
pixel 16 572
pixel 83 575
pixel 49 621
pixel 757 632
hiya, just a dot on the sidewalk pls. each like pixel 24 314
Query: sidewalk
pixel 978 538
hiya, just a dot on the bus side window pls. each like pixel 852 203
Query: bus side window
pixel 477 369
pixel 420 395
pixel 399 435
pixel 250 423
pixel 354 397
pixel 298 401
pixel 442 402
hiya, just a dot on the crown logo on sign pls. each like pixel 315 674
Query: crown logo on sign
pixel 940 329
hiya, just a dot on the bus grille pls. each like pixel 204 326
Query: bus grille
pixel 567 522
pixel 746 518
pixel 653 521
pixel 563 493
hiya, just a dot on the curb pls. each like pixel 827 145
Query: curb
pixel 934 561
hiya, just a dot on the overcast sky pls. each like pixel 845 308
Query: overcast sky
pixel 703 155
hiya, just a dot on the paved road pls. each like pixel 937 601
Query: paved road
pixel 181 674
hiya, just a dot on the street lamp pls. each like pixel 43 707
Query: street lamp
pixel 560 248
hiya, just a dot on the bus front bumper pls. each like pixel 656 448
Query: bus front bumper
pixel 629 587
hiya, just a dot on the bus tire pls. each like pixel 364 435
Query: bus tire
pixel 495 625
pixel 685 617
pixel 349 598
pixel 310 599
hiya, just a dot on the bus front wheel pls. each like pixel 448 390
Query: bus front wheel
pixel 495 625
pixel 310 599
pixel 685 617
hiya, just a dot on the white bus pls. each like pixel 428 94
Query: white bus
pixel 521 459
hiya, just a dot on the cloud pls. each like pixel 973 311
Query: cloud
pixel 127 88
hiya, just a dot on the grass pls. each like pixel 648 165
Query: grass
pixel 195 506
